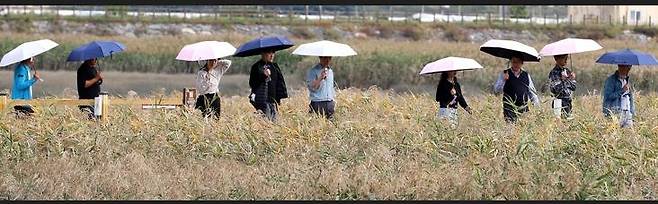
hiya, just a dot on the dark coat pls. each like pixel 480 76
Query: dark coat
pixel 267 91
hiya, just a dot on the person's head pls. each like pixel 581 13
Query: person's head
pixel 560 60
pixel 210 64
pixel 449 75
pixel 623 69
pixel 325 61
pixel 91 62
pixel 517 62
pixel 28 61
pixel 267 55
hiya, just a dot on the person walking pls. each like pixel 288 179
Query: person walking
pixel 207 85
pixel 618 96
pixel 267 85
pixel 517 88
pixel 320 84
pixel 562 83
pixel 449 95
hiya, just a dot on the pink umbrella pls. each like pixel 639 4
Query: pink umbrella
pixel 205 50
pixel 569 46
pixel 450 64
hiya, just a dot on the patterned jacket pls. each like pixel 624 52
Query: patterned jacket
pixel 562 89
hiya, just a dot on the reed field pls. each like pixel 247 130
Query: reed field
pixel 381 145
pixel 385 142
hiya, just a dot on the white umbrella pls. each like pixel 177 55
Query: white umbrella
pixel 450 64
pixel 26 51
pixel 324 48
pixel 569 46
pixel 205 50
pixel 509 48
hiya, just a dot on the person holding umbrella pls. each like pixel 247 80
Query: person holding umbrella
pixel 514 83
pixel 24 80
pixel 25 74
pixel 89 80
pixel 617 89
pixel 266 80
pixel 320 78
pixel 208 77
pixel 448 91
pixel 89 77
pixel 562 81
pixel 517 88
pixel 207 85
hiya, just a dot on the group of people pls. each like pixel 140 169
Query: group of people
pixel 518 90
pixel 268 88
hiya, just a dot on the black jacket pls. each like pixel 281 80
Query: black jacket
pixel 444 97
pixel 270 91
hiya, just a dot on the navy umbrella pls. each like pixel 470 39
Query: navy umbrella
pixel 95 49
pixel 627 57
pixel 257 46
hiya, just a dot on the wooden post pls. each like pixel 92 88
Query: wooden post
pixel 489 18
pixel 570 19
pixel 306 14
pixel 189 97
pixel 649 21
pixel 610 19
pixel 3 101
pixel 320 19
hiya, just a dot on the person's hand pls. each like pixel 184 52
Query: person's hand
pixel 267 72
pixel 468 110
pixel 36 76
pixel 99 76
pixel 625 88
pixel 323 74
pixel 453 92
pixel 572 76
pixel 505 75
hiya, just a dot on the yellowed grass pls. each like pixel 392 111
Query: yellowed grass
pixel 382 145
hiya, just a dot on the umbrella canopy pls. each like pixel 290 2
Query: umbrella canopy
pixel 27 50
pixel 256 46
pixel 95 49
pixel 205 50
pixel 569 46
pixel 450 64
pixel 627 57
pixel 509 48
pixel 324 48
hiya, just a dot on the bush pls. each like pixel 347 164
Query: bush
pixel 415 33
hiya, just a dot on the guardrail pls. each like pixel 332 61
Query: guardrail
pixel 102 103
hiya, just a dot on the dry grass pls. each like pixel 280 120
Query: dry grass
pixel 382 145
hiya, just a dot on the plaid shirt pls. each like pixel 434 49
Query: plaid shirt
pixel 561 88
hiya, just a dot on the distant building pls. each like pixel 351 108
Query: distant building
pixel 642 15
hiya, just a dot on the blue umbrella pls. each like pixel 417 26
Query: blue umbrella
pixel 256 46
pixel 627 57
pixel 95 49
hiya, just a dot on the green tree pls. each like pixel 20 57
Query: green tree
pixel 518 12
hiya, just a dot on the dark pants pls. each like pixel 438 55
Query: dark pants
pixel 325 108
pixel 23 110
pixel 269 109
pixel 89 110
pixel 512 111
pixel 209 104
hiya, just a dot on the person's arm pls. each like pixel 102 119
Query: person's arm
pixel 312 81
pixel 500 84
pixel 610 91
pixel 460 97
pixel 224 65
pixel 533 91
pixel 91 82
pixel 555 82
pixel 256 75
pixel 21 78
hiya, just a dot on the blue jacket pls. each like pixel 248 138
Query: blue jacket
pixel 23 81
pixel 612 91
